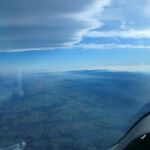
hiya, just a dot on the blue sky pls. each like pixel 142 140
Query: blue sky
pixel 41 35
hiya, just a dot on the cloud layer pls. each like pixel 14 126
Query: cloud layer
pixel 47 24
pixel 50 24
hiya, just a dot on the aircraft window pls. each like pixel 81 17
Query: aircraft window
pixel 74 74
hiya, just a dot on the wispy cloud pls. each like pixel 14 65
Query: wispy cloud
pixel 136 34
pixel 147 8
pixel 131 68
pixel 112 46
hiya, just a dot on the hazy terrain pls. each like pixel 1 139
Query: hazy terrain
pixel 78 110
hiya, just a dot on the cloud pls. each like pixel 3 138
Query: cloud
pixel 126 22
pixel 130 68
pixel 112 46
pixel 135 13
pixel 42 24
pixel 147 9
pixel 136 34
pixel 50 24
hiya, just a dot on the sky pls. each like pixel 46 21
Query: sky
pixel 50 35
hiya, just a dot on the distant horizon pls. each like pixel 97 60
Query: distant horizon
pixel 132 69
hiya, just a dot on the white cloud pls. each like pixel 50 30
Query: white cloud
pixel 136 34
pixel 91 17
pixel 130 68
pixel 112 46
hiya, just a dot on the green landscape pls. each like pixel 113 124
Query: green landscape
pixel 76 110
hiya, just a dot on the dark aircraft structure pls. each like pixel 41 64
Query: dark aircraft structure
pixel 138 136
